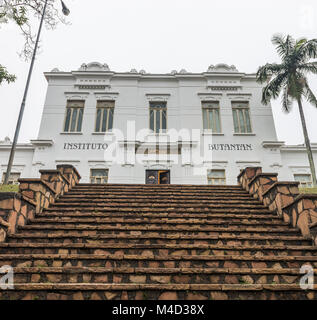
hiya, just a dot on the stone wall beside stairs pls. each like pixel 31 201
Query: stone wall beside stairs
pixel 35 195
pixel 299 210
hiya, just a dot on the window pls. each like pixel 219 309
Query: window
pixel 158 116
pixel 13 179
pixel 74 116
pixel 99 176
pixel 241 117
pixel 216 177
pixel 211 116
pixel 305 180
pixel 104 116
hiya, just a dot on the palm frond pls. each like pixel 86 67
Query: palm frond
pixel 265 72
pixel 308 67
pixel 310 96
pixel 286 101
pixel 273 89
pixel 308 49
pixel 295 85
pixel 284 45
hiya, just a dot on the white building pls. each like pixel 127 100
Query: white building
pixel 136 127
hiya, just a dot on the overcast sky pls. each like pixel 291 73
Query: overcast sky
pixel 158 36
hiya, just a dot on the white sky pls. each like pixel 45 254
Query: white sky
pixel 158 36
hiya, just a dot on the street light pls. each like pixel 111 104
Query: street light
pixel 66 12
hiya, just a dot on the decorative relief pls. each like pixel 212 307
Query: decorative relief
pixel 222 88
pixel 94 66
pixel 239 96
pixel 222 67
pixel 93 84
pixel 162 97
pixel 112 96
pixel 100 164
pixel 76 95
pixel 300 169
pixel 210 96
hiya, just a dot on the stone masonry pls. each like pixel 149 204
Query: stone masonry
pixel 116 241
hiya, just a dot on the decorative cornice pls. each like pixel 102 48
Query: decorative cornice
pixel 209 96
pixel 75 95
pixel 239 96
pixel 106 95
pixel 157 96
pixel 42 143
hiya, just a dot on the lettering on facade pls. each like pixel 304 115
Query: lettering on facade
pixel 85 146
pixel 230 147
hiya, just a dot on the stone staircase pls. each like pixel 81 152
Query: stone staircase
pixel 157 242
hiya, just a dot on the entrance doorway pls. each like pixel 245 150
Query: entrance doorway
pixel 157 177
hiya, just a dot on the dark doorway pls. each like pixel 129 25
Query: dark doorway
pixel 157 177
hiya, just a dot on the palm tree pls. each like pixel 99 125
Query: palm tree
pixel 290 78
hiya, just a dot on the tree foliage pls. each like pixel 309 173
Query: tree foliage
pixel 289 77
pixel 23 12
pixel 5 76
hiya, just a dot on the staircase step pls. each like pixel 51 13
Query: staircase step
pixel 48 213
pixel 153 210
pixel 86 291
pixel 163 221
pixel 148 238
pixel 159 249
pixel 157 275
pixel 120 241
pixel 154 207
pixel 161 229
pixel 155 202
pixel 155 261
pixel 130 196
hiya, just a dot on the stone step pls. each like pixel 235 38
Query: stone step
pixel 146 202
pixel 175 229
pixel 153 186
pixel 153 210
pixel 157 275
pixel 84 291
pixel 158 191
pixel 263 216
pixel 154 221
pixel 158 249
pixel 155 261
pixel 75 237
pixel 153 206
pixel 155 196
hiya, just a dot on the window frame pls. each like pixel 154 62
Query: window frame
pixel 152 108
pixel 235 110
pixel 224 178
pixel 93 178
pixel 70 106
pixel 13 182
pixel 212 109
pixel 104 109
pixel 304 184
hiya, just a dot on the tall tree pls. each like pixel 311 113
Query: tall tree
pixel 289 78
pixel 22 13
pixel 5 75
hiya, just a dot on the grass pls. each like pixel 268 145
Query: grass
pixel 9 188
pixel 308 190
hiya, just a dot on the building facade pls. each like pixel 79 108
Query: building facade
pixel 137 127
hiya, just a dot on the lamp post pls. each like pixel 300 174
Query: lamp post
pixel 66 12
